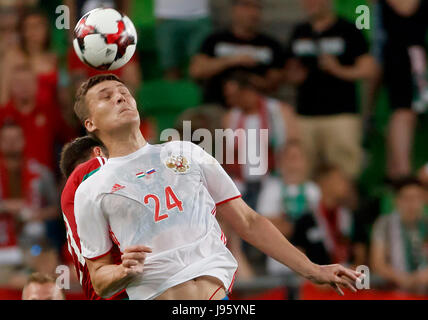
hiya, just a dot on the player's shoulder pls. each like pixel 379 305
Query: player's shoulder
pixel 88 178
pixel 88 168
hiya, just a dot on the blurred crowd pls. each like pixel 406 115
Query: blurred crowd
pixel 312 190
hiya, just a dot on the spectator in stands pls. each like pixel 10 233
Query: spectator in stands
pixel 33 49
pixel 325 234
pixel 284 200
pixel 287 198
pixel 8 34
pixel 400 46
pixel 326 56
pixel 28 199
pixel 37 114
pixel 42 287
pixel 241 46
pixel 399 239
pixel 28 189
pixel 251 110
pixel 182 26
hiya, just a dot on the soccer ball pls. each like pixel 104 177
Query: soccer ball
pixel 105 39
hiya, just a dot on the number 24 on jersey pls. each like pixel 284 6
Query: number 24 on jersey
pixel 171 199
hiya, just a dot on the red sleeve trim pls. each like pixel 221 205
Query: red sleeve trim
pixel 227 200
pixel 100 256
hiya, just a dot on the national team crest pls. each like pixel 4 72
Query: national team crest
pixel 178 163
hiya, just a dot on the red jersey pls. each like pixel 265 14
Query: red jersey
pixel 81 173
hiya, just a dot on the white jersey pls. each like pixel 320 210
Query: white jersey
pixel 164 197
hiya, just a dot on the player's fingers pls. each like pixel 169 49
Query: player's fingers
pixel 140 256
pixel 337 289
pixel 129 263
pixel 346 283
pixel 138 248
pixel 351 274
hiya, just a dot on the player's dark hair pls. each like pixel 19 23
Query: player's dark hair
pixel 76 152
pixel 80 108
pixel 406 181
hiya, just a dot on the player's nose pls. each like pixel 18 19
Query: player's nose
pixel 120 98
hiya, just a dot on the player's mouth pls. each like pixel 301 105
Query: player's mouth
pixel 125 109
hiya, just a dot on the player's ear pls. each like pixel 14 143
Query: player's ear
pixel 97 152
pixel 90 126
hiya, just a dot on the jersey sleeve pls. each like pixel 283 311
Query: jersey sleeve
pixel 216 180
pixel 92 226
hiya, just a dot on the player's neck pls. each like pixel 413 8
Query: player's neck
pixel 124 144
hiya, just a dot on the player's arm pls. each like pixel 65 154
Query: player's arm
pixel 259 231
pixel 108 278
pixel 262 234
pixel 94 232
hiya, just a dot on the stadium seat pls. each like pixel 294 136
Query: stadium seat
pixel 165 100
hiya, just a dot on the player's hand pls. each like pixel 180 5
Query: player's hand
pixel 336 276
pixel 133 259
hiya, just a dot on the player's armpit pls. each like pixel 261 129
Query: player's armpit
pixel 238 215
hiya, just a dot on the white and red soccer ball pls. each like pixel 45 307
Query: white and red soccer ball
pixel 105 39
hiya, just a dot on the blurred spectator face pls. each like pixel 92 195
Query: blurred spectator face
pixel 35 31
pixel 293 164
pixel 316 8
pixel 232 92
pixel 8 30
pixel 410 203
pixel 336 186
pixel 42 291
pixel 11 141
pixel 23 84
pixel 237 95
pixel 247 14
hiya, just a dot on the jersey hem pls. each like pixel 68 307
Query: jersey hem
pixel 100 256
pixel 227 200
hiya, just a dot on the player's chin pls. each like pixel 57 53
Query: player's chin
pixel 128 118
pixel 128 115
